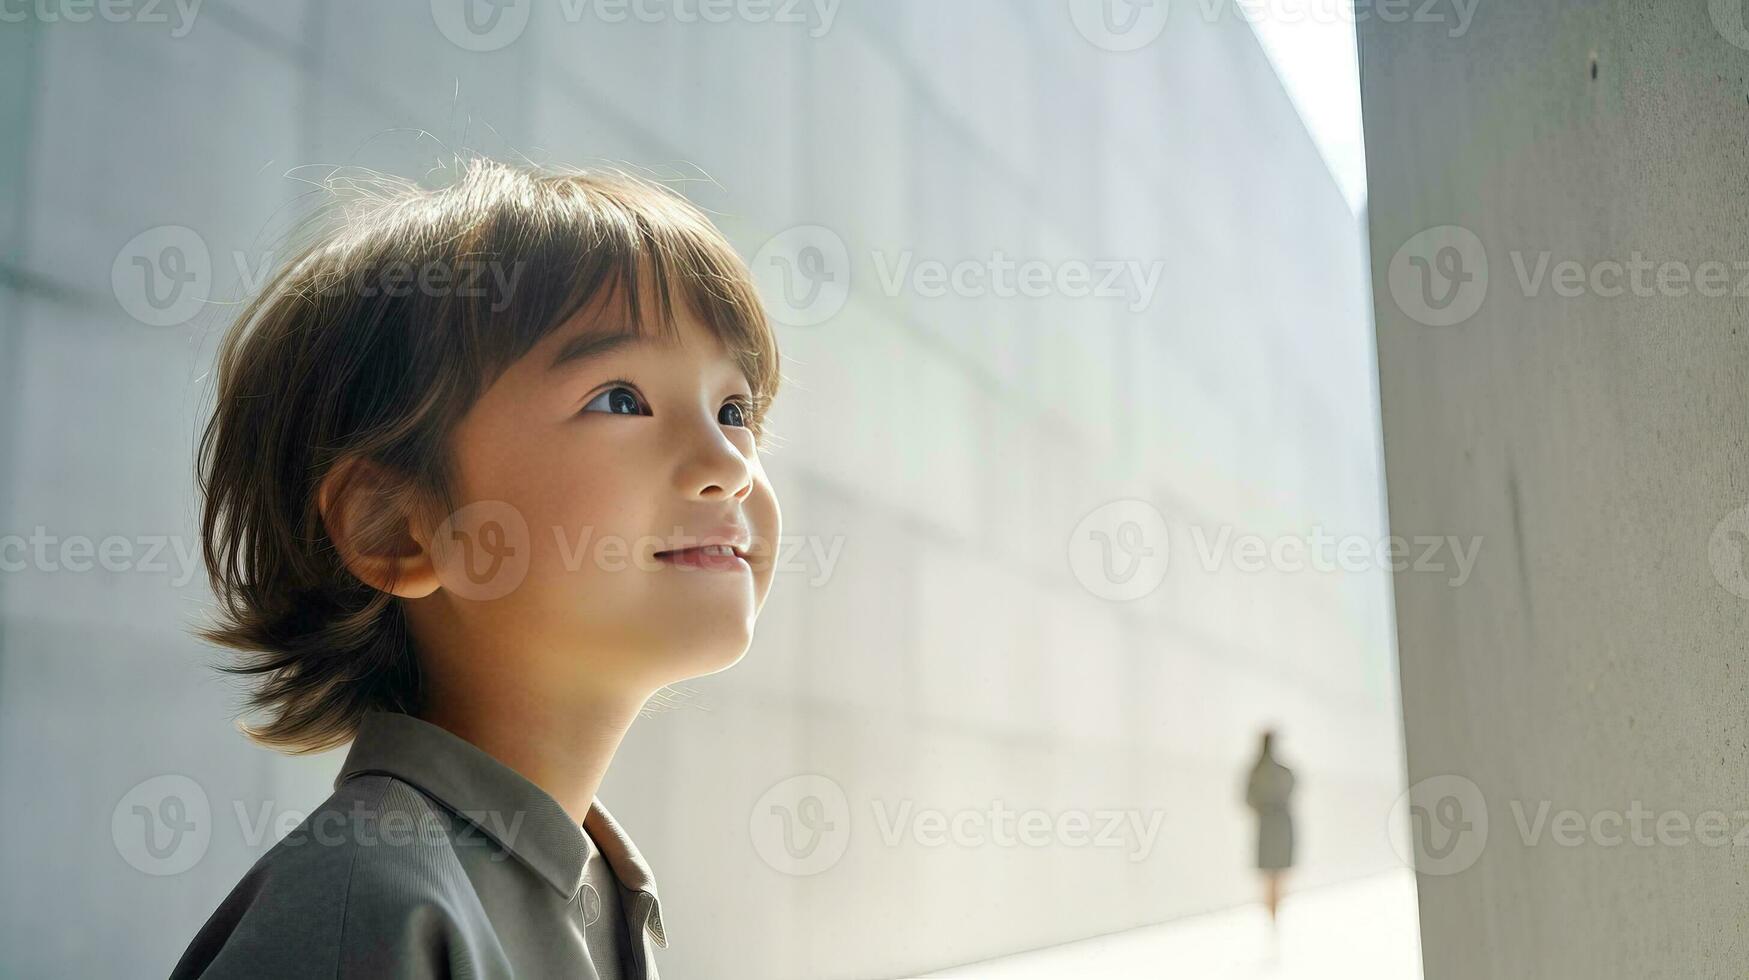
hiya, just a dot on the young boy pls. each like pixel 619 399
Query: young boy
pixel 482 477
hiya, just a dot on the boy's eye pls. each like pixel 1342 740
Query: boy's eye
pixel 732 413
pixel 618 400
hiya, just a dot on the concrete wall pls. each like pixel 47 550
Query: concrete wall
pixel 1588 426
pixel 952 659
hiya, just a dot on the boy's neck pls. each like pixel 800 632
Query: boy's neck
pixel 564 748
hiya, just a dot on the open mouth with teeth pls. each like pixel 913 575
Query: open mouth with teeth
pixel 710 557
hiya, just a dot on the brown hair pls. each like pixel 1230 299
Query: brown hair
pixel 369 343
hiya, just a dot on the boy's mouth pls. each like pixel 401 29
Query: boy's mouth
pixel 710 557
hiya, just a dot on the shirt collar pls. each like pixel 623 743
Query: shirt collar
pixel 523 818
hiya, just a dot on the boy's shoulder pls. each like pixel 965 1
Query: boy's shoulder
pixel 369 884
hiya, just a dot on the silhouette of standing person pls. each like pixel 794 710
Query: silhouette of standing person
pixel 1267 793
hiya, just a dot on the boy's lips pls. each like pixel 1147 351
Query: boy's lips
pixel 725 550
pixel 715 558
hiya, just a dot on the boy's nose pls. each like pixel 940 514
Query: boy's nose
pixel 715 469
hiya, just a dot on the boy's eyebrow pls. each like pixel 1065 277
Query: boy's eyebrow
pixel 593 344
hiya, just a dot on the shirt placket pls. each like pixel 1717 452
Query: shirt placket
pixel 580 904
pixel 643 920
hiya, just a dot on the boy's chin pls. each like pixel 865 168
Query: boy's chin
pixel 717 667
pixel 710 658
pixel 702 657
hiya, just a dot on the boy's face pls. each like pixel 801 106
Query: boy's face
pixel 614 459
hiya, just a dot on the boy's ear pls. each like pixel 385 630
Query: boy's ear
pixel 373 519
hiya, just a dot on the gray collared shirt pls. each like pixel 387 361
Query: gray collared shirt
pixel 434 859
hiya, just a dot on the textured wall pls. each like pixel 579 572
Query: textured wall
pixel 949 444
pixel 1587 423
